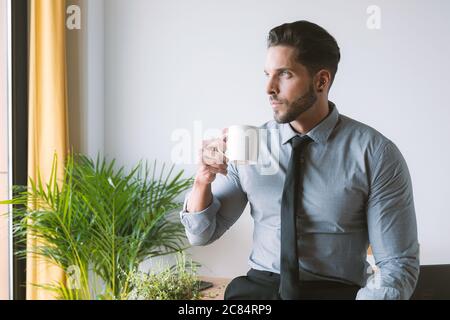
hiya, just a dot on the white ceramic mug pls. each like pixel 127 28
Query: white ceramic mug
pixel 243 144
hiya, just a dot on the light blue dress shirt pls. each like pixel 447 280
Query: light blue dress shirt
pixel 356 191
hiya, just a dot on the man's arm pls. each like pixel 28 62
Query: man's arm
pixel 216 200
pixel 392 228
pixel 200 197
pixel 217 207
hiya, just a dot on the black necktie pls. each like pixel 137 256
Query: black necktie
pixel 289 268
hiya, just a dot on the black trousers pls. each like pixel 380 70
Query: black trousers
pixel 264 285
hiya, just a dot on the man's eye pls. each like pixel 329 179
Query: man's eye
pixel 285 73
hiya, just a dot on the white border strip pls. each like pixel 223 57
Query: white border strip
pixel 9 125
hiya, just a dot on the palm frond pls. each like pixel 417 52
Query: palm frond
pixel 100 219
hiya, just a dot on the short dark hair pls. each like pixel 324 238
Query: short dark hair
pixel 316 48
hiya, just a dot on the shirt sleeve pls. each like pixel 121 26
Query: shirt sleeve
pixel 392 228
pixel 229 201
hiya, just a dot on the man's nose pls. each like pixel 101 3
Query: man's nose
pixel 272 87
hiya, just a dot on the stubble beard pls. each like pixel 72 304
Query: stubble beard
pixel 292 111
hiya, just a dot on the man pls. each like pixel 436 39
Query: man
pixel 341 186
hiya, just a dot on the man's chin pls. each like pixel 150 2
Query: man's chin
pixel 280 117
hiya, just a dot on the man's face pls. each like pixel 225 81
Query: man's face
pixel 289 86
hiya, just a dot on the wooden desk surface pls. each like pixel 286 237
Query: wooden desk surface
pixel 217 291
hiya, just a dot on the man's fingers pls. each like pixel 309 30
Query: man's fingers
pixel 216 170
pixel 216 145
pixel 214 153
pixel 214 161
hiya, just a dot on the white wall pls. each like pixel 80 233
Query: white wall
pixel 85 61
pixel 169 63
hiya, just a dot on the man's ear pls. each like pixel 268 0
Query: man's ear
pixel 322 81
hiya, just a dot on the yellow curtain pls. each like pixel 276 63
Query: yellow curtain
pixel 48 126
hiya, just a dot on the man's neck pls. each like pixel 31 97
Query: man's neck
pixel 312 117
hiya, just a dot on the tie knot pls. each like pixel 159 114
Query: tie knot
pixel 298 142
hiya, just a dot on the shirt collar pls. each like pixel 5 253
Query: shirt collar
pixel 319 133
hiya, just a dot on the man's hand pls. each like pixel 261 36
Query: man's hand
pixel 212 160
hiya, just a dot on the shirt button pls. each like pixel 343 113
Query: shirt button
pixel 302 160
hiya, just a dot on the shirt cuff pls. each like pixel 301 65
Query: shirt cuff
pixel 197 222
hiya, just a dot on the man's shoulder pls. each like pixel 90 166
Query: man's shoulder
pixel 355 126
pixel 362 136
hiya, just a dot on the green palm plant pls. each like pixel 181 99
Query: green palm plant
pixel 100 222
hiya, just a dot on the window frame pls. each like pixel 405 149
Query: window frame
pixel 18 129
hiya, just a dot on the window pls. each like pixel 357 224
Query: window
pixel 4 154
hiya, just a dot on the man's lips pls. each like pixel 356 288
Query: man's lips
pixel 275 103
